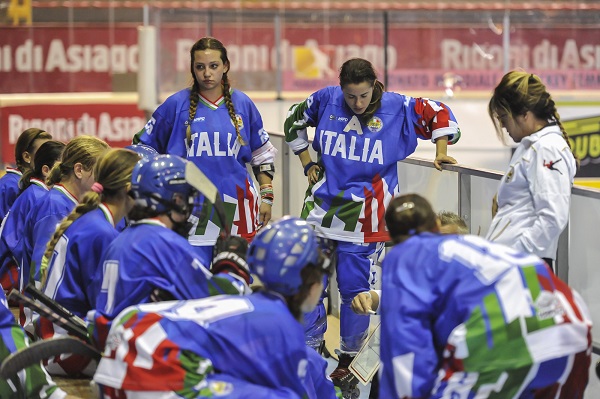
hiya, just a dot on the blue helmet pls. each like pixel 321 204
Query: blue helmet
pixel 156 180
pixel 280 251
pixel 143 150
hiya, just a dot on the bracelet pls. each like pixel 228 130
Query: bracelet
pixel 266 194
pixel 308 166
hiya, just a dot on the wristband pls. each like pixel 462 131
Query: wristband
pixel 266 194
pixel 308 166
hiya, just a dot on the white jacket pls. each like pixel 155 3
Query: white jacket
pixel 535 194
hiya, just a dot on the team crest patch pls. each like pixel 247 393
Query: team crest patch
pixel 239 120
pixel 375 124
pixel 220 388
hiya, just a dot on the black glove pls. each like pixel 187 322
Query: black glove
pixel 231 257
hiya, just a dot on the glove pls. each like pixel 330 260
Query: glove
pixel 231 258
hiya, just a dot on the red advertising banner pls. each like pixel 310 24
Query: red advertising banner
pixel 114 123
pixel 86 59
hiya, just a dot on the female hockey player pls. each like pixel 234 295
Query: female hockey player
pixel 225 346
pixel 534 196
pixel 221 131
pixel 33 186
pixel 464 316
pixel 70 179
pixel 361 132
pixel 77 245
pixel 151 260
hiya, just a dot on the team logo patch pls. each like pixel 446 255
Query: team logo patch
pixel 239 120
pixel 550 165
pixel 331 117
pixel 375 124
pixel 220 388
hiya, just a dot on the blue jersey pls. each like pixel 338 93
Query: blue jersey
pixel 9 189
pixel 217 152
pixel 253 338
pixel 461 314
pixel 318 384
pixel 12 235
pixel 32 382
pixel 147 256
pixel 41 224
pixel 75 260
pixel 360 159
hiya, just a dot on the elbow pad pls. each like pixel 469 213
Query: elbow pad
pixel 266 168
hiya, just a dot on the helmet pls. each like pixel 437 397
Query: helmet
pixel 156 180
pixel 280 251
pixel 143 150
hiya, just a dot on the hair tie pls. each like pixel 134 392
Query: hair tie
pixel 97 188
pixel 404 207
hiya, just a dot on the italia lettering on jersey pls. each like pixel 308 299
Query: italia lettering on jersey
pixel 360 158
pixel 217 151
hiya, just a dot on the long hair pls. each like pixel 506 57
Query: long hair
pixel 210 43
pixel 113 172
pixel 519 92
pixel 47 155
pixel 82 149
pixel 356 71
pixel 25 143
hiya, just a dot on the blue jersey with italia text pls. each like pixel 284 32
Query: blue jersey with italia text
pixel 253 338
pixel 360 159
pixel 217 152
pixel 41 224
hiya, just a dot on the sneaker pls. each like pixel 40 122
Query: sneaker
pixel 343 378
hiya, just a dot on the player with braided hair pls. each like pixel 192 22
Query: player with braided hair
pixel 226 346
pixel 220 130
pixel 77 246
pixel 534 195
pixel 151 260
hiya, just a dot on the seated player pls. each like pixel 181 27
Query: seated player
pixel 225 346
pixel 464 316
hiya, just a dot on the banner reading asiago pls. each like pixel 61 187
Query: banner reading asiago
pixel 114 123
pixel 87 59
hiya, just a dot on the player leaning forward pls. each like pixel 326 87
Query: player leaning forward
pixel 225 346
pixel 361 132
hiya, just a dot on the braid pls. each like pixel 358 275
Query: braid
pixel 56 174
pixel 230 108
pixel 25 180
pixel 375 103
pixel 90 201
pixel 194 98
pixel 566 137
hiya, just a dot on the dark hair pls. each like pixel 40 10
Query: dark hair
pixel 210 43
pixel 48 153
pixel 311 274
pixel 356 71
pixel 408 215
pixel 25 143
pixel 519 92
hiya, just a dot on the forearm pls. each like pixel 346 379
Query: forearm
pixel 441 146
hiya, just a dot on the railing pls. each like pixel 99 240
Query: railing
pixel 469 192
